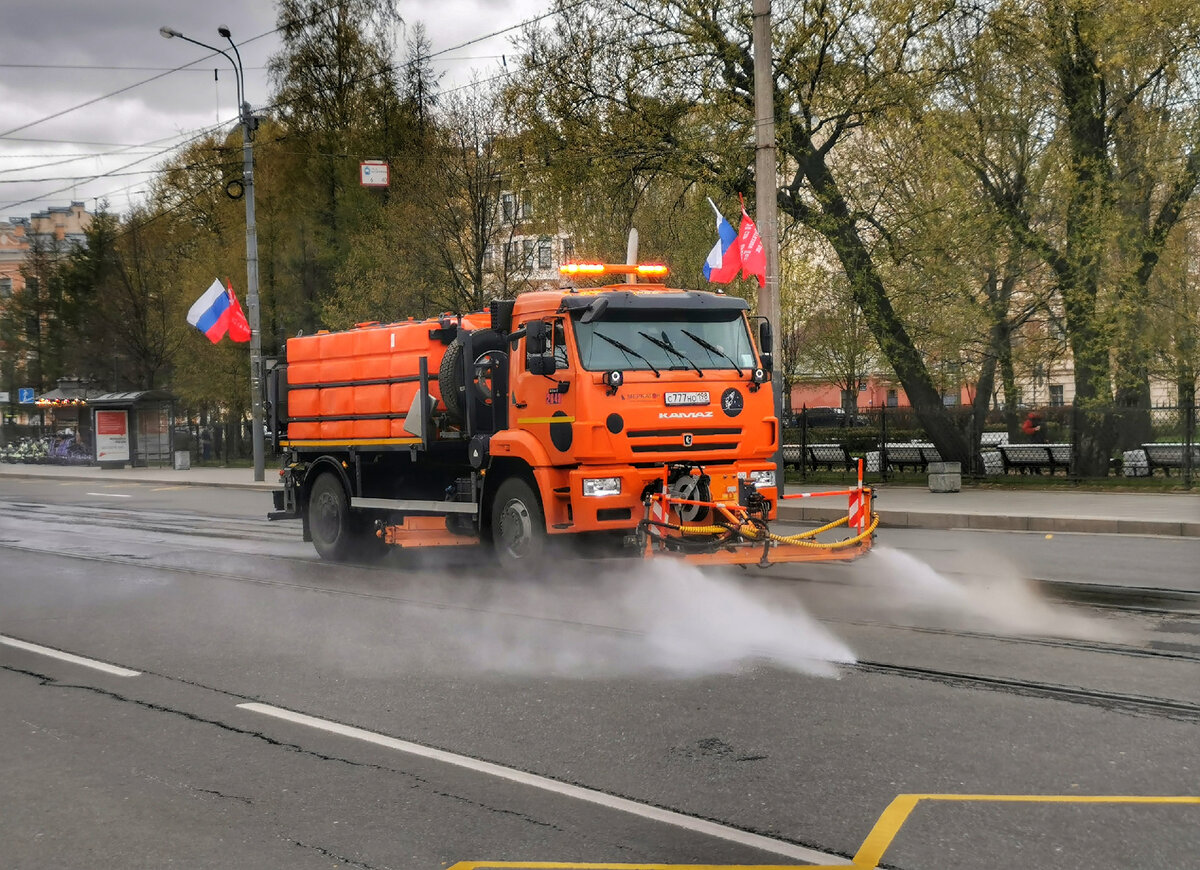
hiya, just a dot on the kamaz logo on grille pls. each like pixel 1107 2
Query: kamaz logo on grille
pixel 683 415
pixel 687 439
pixel 687 398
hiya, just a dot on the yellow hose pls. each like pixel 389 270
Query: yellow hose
pixel 801 540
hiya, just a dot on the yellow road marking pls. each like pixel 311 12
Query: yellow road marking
pixel 889 824
pixel 557 865
pixel 870 853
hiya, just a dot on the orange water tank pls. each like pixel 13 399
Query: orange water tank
pixel 360 383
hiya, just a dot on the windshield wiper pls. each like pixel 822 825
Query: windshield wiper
pixel 666 345
pixel 627 349
pixel 712 348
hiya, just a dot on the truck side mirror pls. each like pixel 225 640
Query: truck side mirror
pixel 766 344
pixel 536 337
pixel 766 341
pixel 537 342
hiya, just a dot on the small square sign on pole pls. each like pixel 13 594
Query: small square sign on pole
pixel 373 173
pixel 25 395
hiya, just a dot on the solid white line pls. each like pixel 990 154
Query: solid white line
pixel 700 826
pixel 68 657
pixel 110 495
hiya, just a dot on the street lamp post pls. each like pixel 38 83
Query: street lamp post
pixel 247 119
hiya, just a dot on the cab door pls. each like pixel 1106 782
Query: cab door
pixel 545 404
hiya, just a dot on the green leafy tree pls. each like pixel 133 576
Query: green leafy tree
pixel 664 87
pixel 1117 158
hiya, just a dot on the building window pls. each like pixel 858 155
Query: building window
pixel 511 252
pixel 893 399
pixel 545 254
pixel 1056 395
pixel 508 205
pixel 5 288
pixel 489 259
pixel 527 253
pixel 568 250
pixel 526 204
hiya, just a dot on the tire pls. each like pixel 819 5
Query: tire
pixel 450 381
pixel 329 521
pixel 518 529
pixel 452 377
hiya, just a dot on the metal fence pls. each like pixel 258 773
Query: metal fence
pixel 1063 441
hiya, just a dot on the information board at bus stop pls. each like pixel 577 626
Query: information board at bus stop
pixel 112 436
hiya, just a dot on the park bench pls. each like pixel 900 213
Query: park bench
pixel 792 456
pixel 1169 456
pixel 911 454
pixel 993 439
pixel 1034 458
pixel 829 456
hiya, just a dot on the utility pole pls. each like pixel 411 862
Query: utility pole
pixel 252 304
pixel 767 205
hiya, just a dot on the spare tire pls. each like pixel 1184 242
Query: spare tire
pixel 452 373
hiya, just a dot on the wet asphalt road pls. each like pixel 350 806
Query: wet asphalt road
pixel 794 705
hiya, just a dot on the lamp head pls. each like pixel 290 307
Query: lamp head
pixel 166 32
pixel 224 31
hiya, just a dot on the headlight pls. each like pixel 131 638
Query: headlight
pixel 602 486
pixel 763 479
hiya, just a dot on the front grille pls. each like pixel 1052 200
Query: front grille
pixel 699 432
pixel 677 447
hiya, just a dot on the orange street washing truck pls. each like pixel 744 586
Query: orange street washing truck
pixel 629 417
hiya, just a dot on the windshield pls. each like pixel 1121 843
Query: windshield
pixel 660 341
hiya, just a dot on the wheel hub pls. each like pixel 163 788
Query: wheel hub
pixel 516 528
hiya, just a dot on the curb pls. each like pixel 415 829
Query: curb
pixel 993 522
pixel 265 485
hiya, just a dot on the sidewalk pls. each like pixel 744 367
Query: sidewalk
pixel 898 506
pixel 915 507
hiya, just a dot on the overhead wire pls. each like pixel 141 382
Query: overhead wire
pixel 205 131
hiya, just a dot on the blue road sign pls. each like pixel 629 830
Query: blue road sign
pixel 25 395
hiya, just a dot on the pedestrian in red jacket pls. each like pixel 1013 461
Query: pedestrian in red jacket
pixel 1033 428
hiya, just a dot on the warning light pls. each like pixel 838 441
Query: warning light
pixel 645 270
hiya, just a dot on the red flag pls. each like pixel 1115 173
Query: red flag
pixel 239 328
pixel 754 256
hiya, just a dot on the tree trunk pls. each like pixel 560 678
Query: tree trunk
pixel 837 225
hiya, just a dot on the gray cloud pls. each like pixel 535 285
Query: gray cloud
pixel 43 44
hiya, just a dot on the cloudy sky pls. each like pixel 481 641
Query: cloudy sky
pixel 86 87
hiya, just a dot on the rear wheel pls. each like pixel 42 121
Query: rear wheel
pixel 518 529
pixel 329 519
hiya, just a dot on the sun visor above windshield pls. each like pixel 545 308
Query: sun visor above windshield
pixel 622 304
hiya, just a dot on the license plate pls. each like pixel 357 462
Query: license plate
pixel 687 398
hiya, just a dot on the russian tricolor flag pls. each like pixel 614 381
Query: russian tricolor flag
pixel 725 259
pixel 217 312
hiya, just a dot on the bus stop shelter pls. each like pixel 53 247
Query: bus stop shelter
pixel 132 429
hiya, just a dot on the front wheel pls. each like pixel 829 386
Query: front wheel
pixel 518 529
